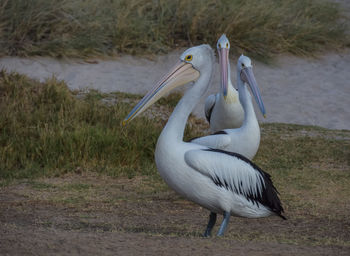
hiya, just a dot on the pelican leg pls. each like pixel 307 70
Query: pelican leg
pixel 211 223
pixel 224 224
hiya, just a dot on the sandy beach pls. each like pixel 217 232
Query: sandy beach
pixel 308 91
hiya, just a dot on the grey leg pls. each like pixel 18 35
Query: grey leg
pixel 224 224
pixel 211 223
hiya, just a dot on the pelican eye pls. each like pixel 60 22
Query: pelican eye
pixel 188 57
pixel 243 65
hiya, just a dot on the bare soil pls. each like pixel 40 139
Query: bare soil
pixel 88 214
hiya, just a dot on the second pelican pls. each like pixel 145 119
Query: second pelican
pixel 244 140
pixel 223 110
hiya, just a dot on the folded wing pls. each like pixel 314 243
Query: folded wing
pixel 237 174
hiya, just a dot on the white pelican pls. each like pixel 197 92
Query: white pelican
pixel 244 140
pixel 220 181
pixel 223 110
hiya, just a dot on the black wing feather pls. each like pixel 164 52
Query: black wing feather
pixel 269 194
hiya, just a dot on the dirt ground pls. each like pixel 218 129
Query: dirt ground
pixel 87 214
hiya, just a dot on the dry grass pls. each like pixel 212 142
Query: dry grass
pixel 94 203
pixel 104 27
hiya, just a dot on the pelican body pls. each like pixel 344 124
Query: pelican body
pixel 222 182
pixel 223 110
pixel 244 140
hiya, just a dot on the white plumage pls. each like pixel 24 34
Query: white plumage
pixel 223 110
pixel 220 181
pixel 244 140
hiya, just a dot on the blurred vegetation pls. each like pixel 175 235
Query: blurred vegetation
pixel 84 28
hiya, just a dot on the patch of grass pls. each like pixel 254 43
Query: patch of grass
pixel 4 183
pixel 46 130
pixel 77 187
pixel 307 162
pixel 41 185
pixel 107 27
pixel 171 100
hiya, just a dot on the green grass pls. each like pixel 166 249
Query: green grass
pixel 309 162
pixel 46 130
pixel 84 28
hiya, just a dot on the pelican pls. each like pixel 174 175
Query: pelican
pixel 220 181
pixel 244 140
pixel 223 110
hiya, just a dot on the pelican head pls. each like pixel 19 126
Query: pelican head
pixel 186 70
pixel 245 72
pixel 223 47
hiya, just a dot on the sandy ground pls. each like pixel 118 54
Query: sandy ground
pixel 125 217
pixel 295 90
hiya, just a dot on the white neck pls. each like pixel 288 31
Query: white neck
pixel 175 126
pixel 246 100
pixel 230 89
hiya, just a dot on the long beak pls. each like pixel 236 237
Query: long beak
pixel 248 77
pixel 223 59
pixel 181 74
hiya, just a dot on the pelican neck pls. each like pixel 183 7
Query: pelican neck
pixel 175 126
pixel 246 101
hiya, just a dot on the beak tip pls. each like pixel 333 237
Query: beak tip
pixel 264 115
pixel 124 122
